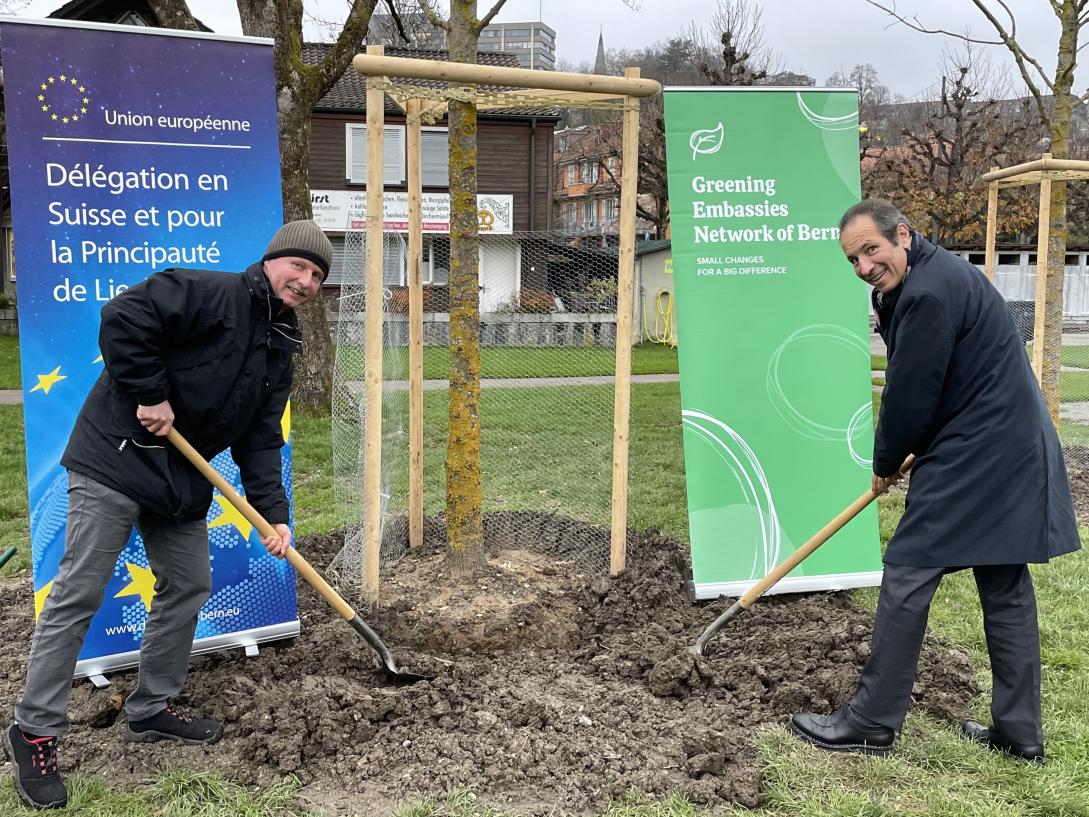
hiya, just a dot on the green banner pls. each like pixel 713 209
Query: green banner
pixel 772 335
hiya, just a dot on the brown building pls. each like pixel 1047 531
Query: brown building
pixel 515 154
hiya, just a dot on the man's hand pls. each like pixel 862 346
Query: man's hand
pixel 881 485
pixel 278 544
pixel 157 419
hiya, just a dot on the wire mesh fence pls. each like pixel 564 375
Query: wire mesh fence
pixel 548 333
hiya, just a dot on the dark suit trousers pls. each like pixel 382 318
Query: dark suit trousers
pixel 1013 642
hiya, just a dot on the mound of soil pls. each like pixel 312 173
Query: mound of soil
pixel 552 690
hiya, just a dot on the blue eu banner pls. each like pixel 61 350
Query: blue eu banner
pixel 131 151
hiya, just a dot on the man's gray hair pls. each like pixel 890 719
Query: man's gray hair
pixel 884 214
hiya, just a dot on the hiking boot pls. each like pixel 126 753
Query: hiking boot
pixel 34 761
pixel 173 724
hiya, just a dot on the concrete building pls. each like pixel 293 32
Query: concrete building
pixel 533 43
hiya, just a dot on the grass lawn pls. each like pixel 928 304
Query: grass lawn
pixel 9 363
pixel 528 361
pixel 932 773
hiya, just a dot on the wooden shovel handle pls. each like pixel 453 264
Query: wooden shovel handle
pixel 303 567
pixel 822 536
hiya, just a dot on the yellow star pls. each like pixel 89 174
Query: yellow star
pixel 285 422
pixel 53 117
pixel 74 81
pixel 41 97
pixel 82 89
pixel 63 77
pixel 75 118
pixel 39 599
pixel 45 87
pixel 83 110
pixel 86 101
pixel 96 360
pixel 230 516
pixel 48 381
pixel 45 107
pixel 64 119
pixel 142 584
pixel 51 80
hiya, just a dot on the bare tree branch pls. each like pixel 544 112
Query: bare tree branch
pixel 395 14
pixel 1006 38
pixel 916 25
pixel 433 16
pixel 487 18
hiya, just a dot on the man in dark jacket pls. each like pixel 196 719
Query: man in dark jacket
pixel 210 352
pixel 988 488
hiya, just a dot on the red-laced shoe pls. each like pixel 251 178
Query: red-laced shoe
pixel 35 765
pixel 173 724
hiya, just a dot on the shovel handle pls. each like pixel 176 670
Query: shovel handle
pixel 822 536
pixel 303 567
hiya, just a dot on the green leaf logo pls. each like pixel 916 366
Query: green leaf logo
pixel 707 141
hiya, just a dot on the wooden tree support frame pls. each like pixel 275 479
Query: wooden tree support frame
pixel 1042 171
pixel 504 87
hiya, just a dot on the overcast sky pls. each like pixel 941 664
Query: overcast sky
pixel 815 37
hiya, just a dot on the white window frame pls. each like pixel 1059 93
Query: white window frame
pixel 445 141
pixel 393 156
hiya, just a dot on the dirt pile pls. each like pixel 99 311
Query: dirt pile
pixel 552 690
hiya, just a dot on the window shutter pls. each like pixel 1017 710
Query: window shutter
pixel 435 155
pixel 393 155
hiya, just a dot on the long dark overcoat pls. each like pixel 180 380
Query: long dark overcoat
pixel 989 485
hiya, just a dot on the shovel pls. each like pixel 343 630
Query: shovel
pixel 303 567
pixel 791 562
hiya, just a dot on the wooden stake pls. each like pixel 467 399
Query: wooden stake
pixel 992 228
pixel 624 305
pixel 415 327
pixel 372 449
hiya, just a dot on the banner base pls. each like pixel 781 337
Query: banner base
pixel 245 638
pixel 799 584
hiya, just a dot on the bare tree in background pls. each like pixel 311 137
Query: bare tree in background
pixel 299 86
pixel 958 137
pixel 730 46
pixel 872 94
pixel 1055 114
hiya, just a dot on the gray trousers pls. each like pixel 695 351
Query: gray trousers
pixel 100 521
pixel 1013 643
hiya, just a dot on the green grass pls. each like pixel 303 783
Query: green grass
pixel 529 361
pixel 9 363
pixel 933 771
pixel 14 517
pixel 177 794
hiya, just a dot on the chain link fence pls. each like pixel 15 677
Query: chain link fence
pixel 548 333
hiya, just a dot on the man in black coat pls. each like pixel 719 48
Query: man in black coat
pixel 212 353
pixel 988 489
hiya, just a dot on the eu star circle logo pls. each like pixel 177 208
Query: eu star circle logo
pixel 63 98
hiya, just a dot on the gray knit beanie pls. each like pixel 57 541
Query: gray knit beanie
pixel 303 239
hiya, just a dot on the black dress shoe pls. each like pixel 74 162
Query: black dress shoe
pixel 1030 753
pixel 839 732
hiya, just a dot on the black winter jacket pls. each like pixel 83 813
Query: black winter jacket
pixel 989 484
pixel 218 346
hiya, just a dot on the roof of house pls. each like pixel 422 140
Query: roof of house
pixel 108 11
pixel 350 91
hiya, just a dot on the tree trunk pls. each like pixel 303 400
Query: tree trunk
pixel 1056 245
pixel 464 518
